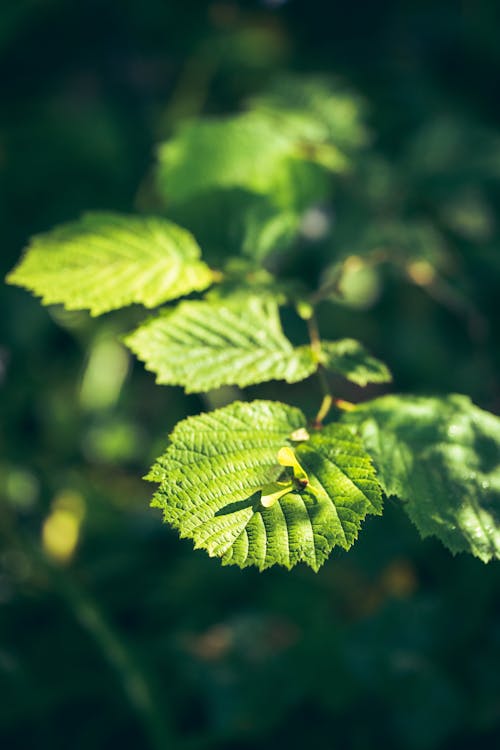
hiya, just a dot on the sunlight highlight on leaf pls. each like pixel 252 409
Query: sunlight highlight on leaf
pixel 105 261
pixel 222 485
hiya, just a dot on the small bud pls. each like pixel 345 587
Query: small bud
pixel 304 310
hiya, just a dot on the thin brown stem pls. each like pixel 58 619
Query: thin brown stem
pixel 329 399
pixel 314 337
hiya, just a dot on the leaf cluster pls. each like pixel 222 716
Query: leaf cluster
pixel 259 483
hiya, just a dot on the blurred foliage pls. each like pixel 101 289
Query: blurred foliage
pixel 112 630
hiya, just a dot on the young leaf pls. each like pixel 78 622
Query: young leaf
pixel 219 486
pixel 105 261
pixel 206 344
pixel 442 458
pixel 349 358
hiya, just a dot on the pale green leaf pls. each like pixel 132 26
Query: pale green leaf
pixel 105 261
pixel 441 457
pixel 205 344
pixel 246 151
pixel 218 486
pixel 317 108
pixel 350 359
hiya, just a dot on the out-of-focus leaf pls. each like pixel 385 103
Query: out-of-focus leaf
pixel 203 345
pixel 349 358
pixel 317 108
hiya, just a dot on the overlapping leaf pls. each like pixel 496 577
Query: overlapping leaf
pixel 206 344
pixel 442 458
pixel 350 359
pixel 105 261
pixel 213 473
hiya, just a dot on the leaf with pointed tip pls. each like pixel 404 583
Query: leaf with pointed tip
pixel 205 344
pixel 441 457
pixel 105 261
pixel 350 359
pixel 217 476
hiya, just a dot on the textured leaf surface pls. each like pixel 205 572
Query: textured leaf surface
pixel 105 261
pixel 217 465
pixel 442 458
pixel 350 358
pixel 206 344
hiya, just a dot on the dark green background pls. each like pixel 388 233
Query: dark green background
pixel 138 641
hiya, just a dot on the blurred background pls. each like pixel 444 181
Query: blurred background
pixel 111 629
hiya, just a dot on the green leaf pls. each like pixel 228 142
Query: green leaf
pixel 246 151
pixel 105 261
pixel 233 220
pixel 242 278
pixel 218 486
pixel 231 152
pixel 349 358
pixel 244 181
pixel 265 229
pixel 442 458
pixel 317 108
pixel 205 344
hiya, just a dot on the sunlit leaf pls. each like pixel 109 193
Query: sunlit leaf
pixel 205 344
pixel 220 485
pixel 246 151
pixel 105 261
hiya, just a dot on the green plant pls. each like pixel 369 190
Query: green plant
pixel 259 483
